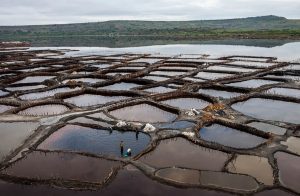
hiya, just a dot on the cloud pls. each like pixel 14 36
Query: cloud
pixel 21 12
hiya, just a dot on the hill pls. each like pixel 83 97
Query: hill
pixel 252 27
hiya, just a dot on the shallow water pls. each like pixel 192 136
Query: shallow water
pixel 270 110
pixel 180 175
pixel 4 108
pixel 34 79
pixel 143 113
pixel 183 153
pixel 219 93
pixel 230 137
pixel 12 135
pixel 255 83
pixel 176 125
pixel 268 128
pixel 90 100
pixel 120 86
pixel 226 180
pixel 212 76
pixel 285 92
pixel 289 170
pixel 44 110
pixel 39 95
pixel 155 78
pixel 40 165
pixel 186 103
pixel 293 144
pixel 96 141
pixel 128 181
pixel 23 88
pixel 230 68
pixel 255 166
pixel 159 89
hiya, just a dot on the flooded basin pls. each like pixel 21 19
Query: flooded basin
pixel 186 103
pixel 219 93
pixel 212 75
pixel 121 86
pixel 34 79
pixel 44 110
pixel 230 137
pixel 43 166
pixel 96 141
pixel 159 89
pixel 90 100
pixel 255 166
pixel 4 108
pixel 293 144
pixel 183 176
pixel 285 92
pixel 254 83
pixel 12 135
pixel 39 95
pixel 289 170
pixel 268 128
pixel 229 181
pixel 268 109
pixel 176 125
pixel 183 153
pixel 143 113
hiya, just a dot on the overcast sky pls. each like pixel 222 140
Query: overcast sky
pixel 24 12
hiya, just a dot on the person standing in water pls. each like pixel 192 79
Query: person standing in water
pixel 128 153
pixel 122 148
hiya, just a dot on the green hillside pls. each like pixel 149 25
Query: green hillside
pixel 253 27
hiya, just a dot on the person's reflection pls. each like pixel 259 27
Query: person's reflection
pixel 137 135
pixel 121 148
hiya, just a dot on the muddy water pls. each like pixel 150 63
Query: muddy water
pixel 255 166
pixel 183 153
pixel 39 165
pixel 270 110
pixel 90 100
pixel 12 135
pixel 49 93
pixel 143 113
pixel 44 110
pixel 285 92
pixel 268 128
pixel 230 137
pixel 218 93
pixel 96 141
pixel 254 83
pixel 289 170
pixel 186 103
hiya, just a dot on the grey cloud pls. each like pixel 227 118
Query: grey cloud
pixel 20 12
